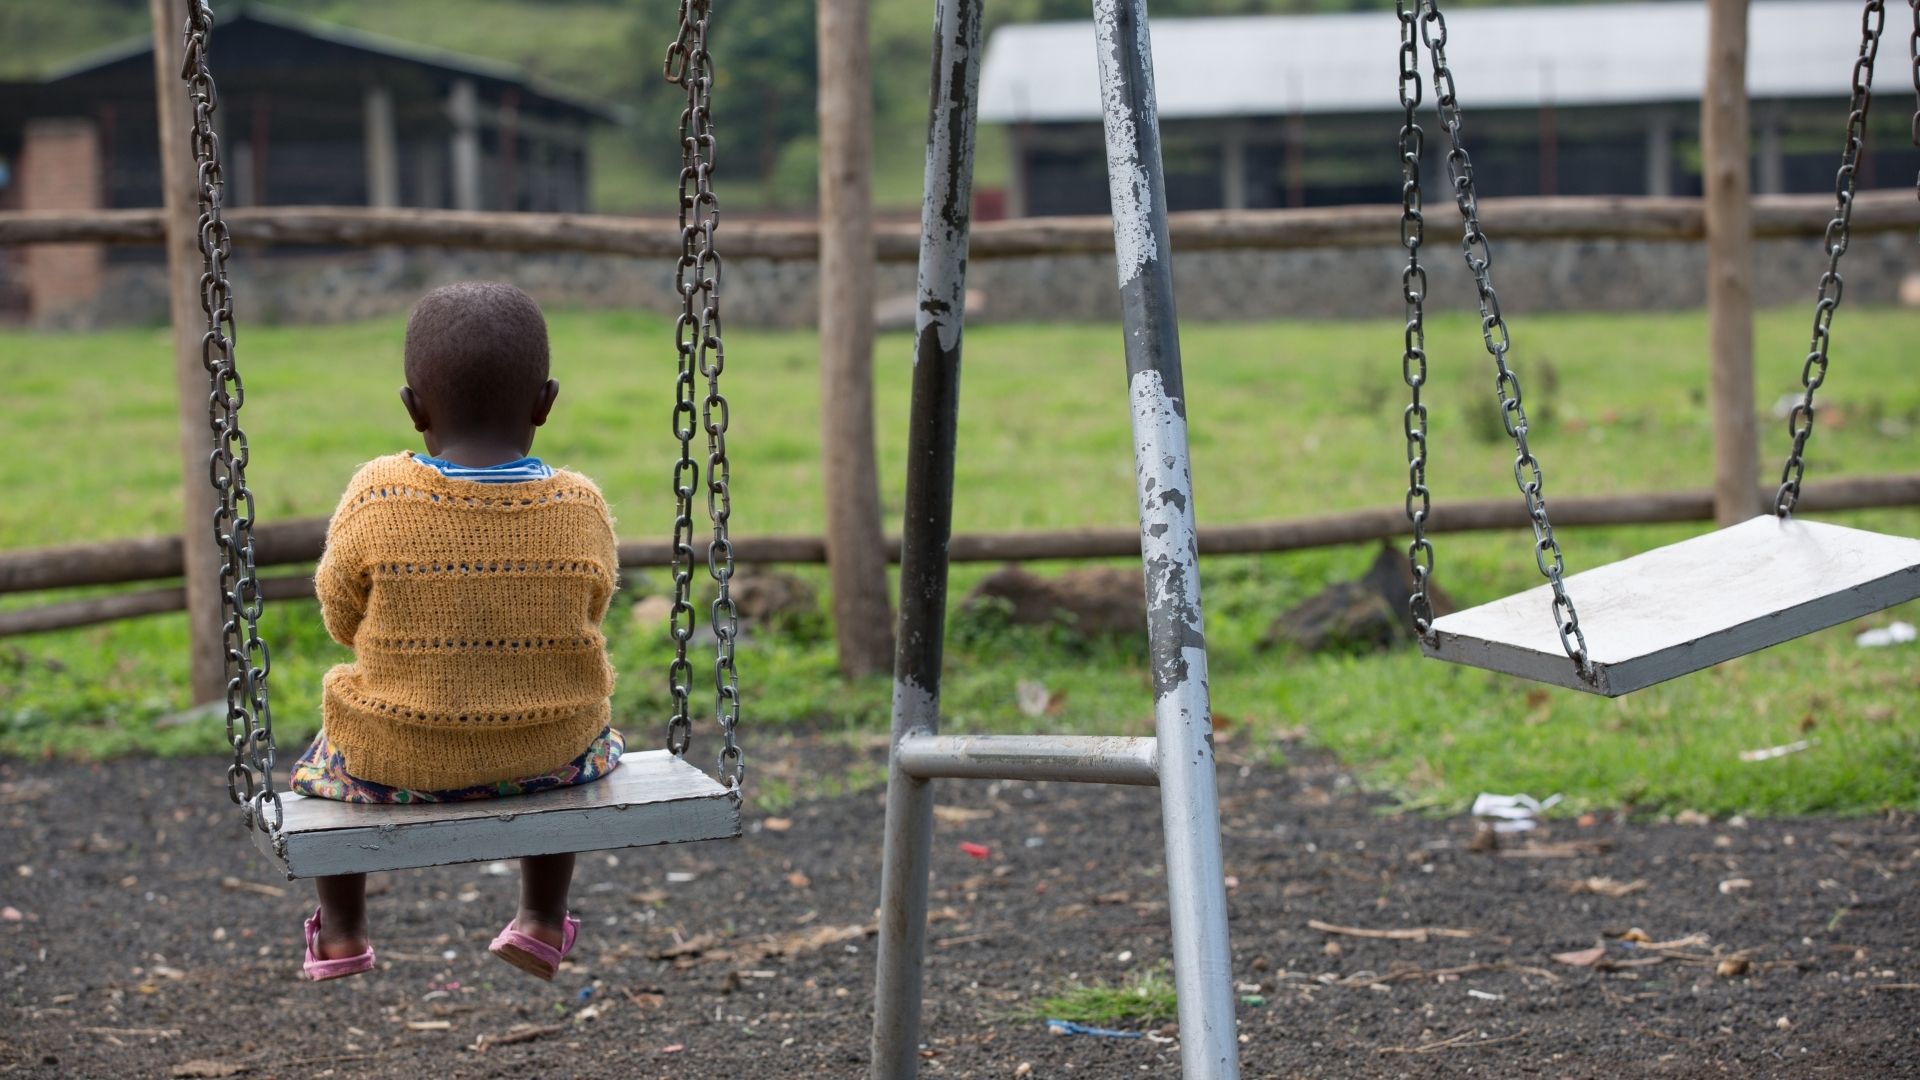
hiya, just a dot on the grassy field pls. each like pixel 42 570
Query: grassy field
pixel 1286 419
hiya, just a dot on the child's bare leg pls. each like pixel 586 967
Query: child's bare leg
pixel 545 881
pixel 343 916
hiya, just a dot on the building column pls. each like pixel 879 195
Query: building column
pixel 1017 195
pixel 463 108
pixel 382 148
pixel 1233 167
pixel 1659 153
pixel 508 143
pixel 60 170
pixel 1772 179
pixel 1296 158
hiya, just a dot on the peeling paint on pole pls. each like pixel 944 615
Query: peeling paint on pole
pixel 1169 542
pixel 1132 195
pixel 946 211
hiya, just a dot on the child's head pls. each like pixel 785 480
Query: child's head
pixel 476 361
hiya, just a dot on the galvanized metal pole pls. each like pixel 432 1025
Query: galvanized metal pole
pixel 1189 805
pixel 934 415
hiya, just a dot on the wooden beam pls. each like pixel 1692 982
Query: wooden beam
pixel 113 607
pixel 292 542
pixel 207 660
pixel 856 548
pixel 1582 217
pixel 1729 221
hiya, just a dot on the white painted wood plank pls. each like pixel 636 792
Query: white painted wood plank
pixel 652 798
pixel 1690 605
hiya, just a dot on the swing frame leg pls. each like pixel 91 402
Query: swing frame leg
pixel 1180 756
pixel 946 215
pixel 1169 546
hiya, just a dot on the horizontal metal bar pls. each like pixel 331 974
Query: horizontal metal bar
pixel 1086 759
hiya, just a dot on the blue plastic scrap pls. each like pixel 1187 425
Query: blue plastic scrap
pixel 1068 1027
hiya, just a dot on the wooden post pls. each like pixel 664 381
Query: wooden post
pixel 1729 213
pixel 207 665
pixel 856 551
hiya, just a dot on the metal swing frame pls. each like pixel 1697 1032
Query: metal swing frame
pixel 1679 608
pixel 1179 758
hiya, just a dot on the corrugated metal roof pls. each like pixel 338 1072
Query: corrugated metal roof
pixel 1518 57
pixel 410 52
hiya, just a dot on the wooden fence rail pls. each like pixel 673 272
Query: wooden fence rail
pixel 293 542
pixel 1543 218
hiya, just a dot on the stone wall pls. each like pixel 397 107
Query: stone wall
pixel 1213 286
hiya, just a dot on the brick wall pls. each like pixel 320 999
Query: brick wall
pixel 60 170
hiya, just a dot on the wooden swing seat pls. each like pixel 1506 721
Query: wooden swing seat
pixel 1690 605
pixel 653 797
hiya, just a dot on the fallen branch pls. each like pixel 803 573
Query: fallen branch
pixel 1458 1042
pixel 1437 973
pixel 1413 933
pixel 525 1033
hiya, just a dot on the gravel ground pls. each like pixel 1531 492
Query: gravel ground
pixel 140 936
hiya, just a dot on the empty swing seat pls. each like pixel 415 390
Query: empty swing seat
pixel 1689 605
pixel 653 797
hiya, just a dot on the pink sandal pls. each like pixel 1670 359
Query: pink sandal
pixel 530 954
pixel 320 970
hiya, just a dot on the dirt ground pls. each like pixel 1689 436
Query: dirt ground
pixel 140 936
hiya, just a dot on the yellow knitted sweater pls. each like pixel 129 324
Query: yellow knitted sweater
pixel 473 611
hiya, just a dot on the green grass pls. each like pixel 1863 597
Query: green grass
pixel 1142 998
pixel 1287 418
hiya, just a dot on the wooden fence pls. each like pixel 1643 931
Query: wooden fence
pixel 1598 217
pixel 297 542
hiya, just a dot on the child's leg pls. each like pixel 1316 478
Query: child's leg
pixel 545 881
pixel 343 916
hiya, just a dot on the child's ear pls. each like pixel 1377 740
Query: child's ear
pixel 543 404
pixel 415 409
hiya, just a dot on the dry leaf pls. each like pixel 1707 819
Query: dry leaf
pixel 1582 958
pixel 1606 886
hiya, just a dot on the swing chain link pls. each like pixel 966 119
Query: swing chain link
pixel 1913 55
pixel 1527 474
pixel 1814 371
pixel 249 719
pixel 1413 287
pixel 701 353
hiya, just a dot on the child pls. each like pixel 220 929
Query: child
pixel 470 585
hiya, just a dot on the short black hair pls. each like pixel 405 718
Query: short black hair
pixel 477 352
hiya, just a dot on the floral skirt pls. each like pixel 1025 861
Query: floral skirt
pixel 322 773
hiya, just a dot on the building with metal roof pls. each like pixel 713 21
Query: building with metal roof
pixel 1265 111
pixel 310 113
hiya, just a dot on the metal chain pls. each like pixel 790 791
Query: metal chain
pixel 1913 54
pixel 1493 331
pixel 698 341
pixel 1813 371
pixel 1413 287
pixel 249 719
